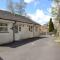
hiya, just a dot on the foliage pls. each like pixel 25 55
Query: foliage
pixel 57 1
pixel 17 15
pixel 10 6
pixel 20 7
pixel 16 8
pixel 56 9
pixel 51 25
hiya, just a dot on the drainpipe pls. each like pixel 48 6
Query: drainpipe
pixel 33 30
pixel 14 31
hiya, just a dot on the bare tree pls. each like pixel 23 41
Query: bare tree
pixel 10 6
pixel 16 8
pixel 56 9
pixel 57 16
pixel 20 7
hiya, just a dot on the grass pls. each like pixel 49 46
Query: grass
pixel 57 39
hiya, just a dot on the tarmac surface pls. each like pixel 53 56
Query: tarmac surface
pixel 43 48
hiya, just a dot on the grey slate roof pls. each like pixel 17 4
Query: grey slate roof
pixel 9 16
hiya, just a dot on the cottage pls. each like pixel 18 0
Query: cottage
pixel 14 27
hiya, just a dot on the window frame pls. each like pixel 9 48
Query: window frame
pixel 30 28
pixel 19 27
pixel 16 28
pixel 3 27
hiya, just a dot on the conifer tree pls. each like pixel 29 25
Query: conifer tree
pixel 51 25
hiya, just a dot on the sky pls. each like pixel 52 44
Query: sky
pixel 38 10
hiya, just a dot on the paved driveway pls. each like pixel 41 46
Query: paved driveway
pixel 40 49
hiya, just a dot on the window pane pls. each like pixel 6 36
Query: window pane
pixel 3 24
pixel 3 27
pixel 29 28
pixel 19 28
pixel 16 29
pixel 0 28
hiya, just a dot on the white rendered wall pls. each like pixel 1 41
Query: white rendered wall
pixel 24 33
pixel 8 36
pixel 36 33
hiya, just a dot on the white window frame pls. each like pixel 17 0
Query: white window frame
pixel 2 27
pixel 16 28
pixel 30 28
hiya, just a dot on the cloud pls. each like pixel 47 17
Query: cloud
pixel 39 16
pixel 28 1
pixel 49 10
pixel 53 4
pixel 36 2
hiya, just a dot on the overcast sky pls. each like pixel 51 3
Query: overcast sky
pixel 38 10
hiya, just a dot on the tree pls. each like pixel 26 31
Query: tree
pixel 57 16
pixel 56 9
pixel 10 6
pixel 57 1
pixel 51 25
pixel 20 7
pixel 16 7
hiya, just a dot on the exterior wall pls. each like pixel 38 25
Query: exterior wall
pixel 7 36
pixel 24 33
pixel 44 29
pixel 36 33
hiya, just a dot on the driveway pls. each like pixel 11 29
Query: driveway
pixel 37 49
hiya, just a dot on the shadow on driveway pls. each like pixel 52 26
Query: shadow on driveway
pixel 1 58
pixel 21 42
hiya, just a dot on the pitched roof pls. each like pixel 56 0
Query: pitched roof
pixel 13 17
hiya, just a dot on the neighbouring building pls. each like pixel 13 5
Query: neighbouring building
pixel 14 27
pixel 44 29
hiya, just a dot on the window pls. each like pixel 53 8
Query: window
pixel 30 28
pixel 3 27
pixel 16 29
pixel 19 27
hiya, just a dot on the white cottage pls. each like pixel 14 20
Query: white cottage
pixel 14 28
